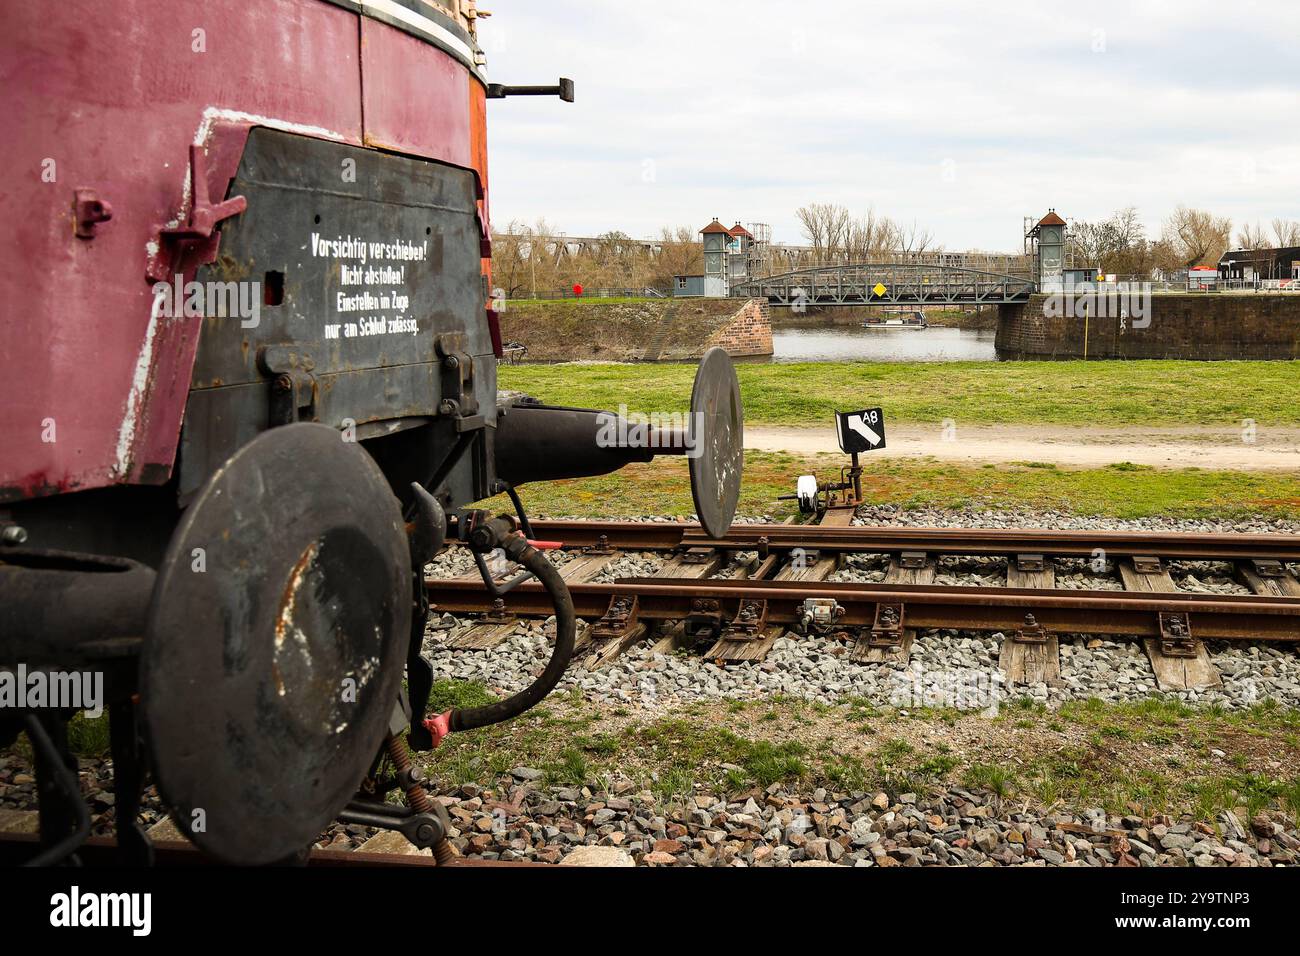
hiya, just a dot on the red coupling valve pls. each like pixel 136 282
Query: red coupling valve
pixel 438 726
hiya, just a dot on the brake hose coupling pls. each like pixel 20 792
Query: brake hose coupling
pixel 438 726
pixel 488 534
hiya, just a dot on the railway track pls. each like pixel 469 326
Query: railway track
pixel 783 589
pixel 780 582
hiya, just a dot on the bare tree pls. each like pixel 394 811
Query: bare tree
pixel 511 250
pixel 680 253
pixel 1286 232
pixel 914 241
pixel 1116 244
pixel 1197 237
pixel 1252 237
pixel 526 259
pixel 837 236
pixel 1166 256
pixel 869 236
pixel 826 227
pixel 1126 227
pixel 1091 241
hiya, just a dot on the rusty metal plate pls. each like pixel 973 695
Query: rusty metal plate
pixel 275 643
pixel 717 431
pixel 350 263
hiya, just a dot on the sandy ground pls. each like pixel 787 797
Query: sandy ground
pixel 1273 449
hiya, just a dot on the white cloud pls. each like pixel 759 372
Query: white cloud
pixel 961 116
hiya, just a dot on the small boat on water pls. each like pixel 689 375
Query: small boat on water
pixel 910 319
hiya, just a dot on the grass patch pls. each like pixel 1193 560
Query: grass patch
pixel 847 772
pixel 455 694
pixel 985 776
pixel 715 753
pixel 571 768
pixel 1150 756
pixel 972 393
pixel 663 487
pixel 938 766
pixel 89 736
pixel 672 754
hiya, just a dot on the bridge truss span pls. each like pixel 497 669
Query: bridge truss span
pixel 887 284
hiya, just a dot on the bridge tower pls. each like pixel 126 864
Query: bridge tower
pixel 716 238
pixel 1049 252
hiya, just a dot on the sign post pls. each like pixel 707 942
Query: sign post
pixel 858 432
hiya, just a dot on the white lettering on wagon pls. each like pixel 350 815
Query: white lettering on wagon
pixel 375 300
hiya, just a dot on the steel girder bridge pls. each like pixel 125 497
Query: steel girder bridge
pixel 887 284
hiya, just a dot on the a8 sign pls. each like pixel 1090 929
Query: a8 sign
pixel 860 431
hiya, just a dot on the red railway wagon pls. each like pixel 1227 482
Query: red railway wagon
pixel 249 389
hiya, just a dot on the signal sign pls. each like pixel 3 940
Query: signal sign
pixel 860 431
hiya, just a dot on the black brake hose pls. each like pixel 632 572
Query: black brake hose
pixel 518 549
pixel 66 781
pixel 519 510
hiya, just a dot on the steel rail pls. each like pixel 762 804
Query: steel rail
pixel 664 535
pixel 1226 617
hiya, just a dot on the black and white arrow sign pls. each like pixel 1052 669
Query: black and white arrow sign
pixel 861 431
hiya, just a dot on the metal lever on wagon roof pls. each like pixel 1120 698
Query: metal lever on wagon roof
pixel 499 91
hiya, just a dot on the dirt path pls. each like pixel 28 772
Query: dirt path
pixel 1273 449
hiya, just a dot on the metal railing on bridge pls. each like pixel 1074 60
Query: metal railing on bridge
pixel 645 292
pixel 887 284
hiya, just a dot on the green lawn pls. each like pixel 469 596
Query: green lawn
pixel 1150 756
pixel 1121 491
pixel 1148 393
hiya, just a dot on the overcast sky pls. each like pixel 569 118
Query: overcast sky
pixel 962 116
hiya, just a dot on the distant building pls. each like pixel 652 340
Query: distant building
pixel 1254 265
pixel 1075 278
pixel 688 286
pixel 717 238
pixel 1048 237
pixel 738 247
pixel 731 256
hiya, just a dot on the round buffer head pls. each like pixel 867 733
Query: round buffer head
pixel 275 643
pixel 717 442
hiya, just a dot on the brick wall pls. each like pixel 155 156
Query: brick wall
pixel 1211 326
pixel 749 332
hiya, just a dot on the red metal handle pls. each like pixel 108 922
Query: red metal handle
pixel 438 726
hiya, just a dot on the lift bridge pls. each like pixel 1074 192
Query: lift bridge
pixel 887 284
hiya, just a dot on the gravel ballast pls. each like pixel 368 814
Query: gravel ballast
pixel 775 827
pixel 946 668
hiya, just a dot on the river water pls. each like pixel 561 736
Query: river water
pixel 849 343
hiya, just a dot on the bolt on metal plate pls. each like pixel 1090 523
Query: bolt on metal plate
pixel 1176 635
pixel 1268 568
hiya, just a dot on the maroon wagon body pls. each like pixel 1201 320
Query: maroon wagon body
pixel 102 103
